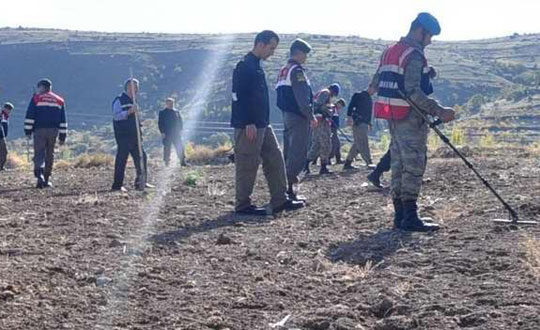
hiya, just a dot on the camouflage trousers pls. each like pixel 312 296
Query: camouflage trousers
pixel 408 156
pixel 321 145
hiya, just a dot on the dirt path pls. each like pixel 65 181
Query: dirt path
pixel 80 257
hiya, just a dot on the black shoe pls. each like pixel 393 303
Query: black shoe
pixel 411 221
pixel 252 210
pixel 47 183
pixel 295 197
pixel 121 189
pixel 306 167
pixel 349 166
pixel 324 170
pixel 398 213
pixel 289 205
pixel 375 179
pixel 339 161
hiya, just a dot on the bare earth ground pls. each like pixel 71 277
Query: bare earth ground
pixel 80 257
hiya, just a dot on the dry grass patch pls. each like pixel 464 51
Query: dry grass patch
pixel 93 160
pixel 202 154
pixel 17 161
pixel 531 246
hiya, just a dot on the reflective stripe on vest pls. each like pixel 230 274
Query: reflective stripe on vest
pixel 284 77
pixel 389 104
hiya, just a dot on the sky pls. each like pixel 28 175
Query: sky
pixel 385 19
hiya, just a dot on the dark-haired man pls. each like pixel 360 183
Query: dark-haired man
pixel 295 100
pixel 253 135
pixel 4 126
pixel 170 126
pixel 46 120
pixel 359 117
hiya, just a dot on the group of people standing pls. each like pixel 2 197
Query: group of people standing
pixel 311 125
pixel 403 74
pixel 46 123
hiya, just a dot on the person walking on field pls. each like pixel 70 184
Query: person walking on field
pixel 295 100
pixel 336 124
pixel 254 137
pixel 322 143
pixel 46 121
pixel 4 126
pixel 404 70
pixel 170 126
pixel 359 117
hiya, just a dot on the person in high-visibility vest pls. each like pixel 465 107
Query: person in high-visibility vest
pixel 404 70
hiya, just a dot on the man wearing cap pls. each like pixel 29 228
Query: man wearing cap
pixel 359 117
pixel 46 120
pixel 404 70
pixel 125 108
pixel 254 137
pixel 295 100
pixel 170 126
pixel 4 118
pixel 322 143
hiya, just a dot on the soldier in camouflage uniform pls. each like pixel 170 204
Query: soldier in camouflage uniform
pixel 322 143
pixel 404 69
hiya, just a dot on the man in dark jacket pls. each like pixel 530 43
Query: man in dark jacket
pixel 125 108
pixel 170 126
pixel 253 135
pixel 4 117
pixel 46 120
pixel 359 116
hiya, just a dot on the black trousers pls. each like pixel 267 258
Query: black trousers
pixel 384 163
pixel 168 143
pixel 127 145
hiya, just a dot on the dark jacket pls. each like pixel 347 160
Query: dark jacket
pixel 250 103
pixel 170 122
pixel 360 108
pixel 124 124
pixel 46 110
pixel 5 126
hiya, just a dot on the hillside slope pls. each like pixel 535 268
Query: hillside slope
pixel 88 68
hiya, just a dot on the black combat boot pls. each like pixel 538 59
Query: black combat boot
pixel 398 213
pixel 411 221
pixel 349 166
pixel 306 167
pixel 375 178
pixel 324 169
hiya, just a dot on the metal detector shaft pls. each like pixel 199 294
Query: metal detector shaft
pixel 344 135
pixel 139 135
pixel 433 126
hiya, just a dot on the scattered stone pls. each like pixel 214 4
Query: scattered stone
pixel 383 308
pixel 396 323
pixel 224 240
pixel 471 320
pixel 115 243
pixel 345 323
pixel 102 281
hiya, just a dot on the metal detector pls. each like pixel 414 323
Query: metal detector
pixel 513 216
